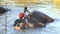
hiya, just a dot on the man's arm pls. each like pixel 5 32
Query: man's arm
pixel 28 11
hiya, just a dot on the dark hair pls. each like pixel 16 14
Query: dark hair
pixel 25 9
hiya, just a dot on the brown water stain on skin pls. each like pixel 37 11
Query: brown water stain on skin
pixel 21 24
pixel 18 26
pixel 41 24
pixel 31 25
pixel 48 19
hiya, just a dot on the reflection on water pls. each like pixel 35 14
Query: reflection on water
pixel 52 28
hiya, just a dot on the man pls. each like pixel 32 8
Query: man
pixel 23 14
pixel 22 17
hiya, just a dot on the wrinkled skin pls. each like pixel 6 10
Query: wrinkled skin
pixel 41 17
pixel 20 24
pixel 35 19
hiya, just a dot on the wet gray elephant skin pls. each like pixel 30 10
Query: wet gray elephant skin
pixel 41 17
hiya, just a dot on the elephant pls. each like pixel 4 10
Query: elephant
pixel 36 19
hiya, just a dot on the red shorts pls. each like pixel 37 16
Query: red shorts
pixel 21 15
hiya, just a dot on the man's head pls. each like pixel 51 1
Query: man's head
pixel 25 9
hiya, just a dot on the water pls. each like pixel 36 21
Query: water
pixel 51 28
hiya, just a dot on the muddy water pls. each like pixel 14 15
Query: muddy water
pixel 51 28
